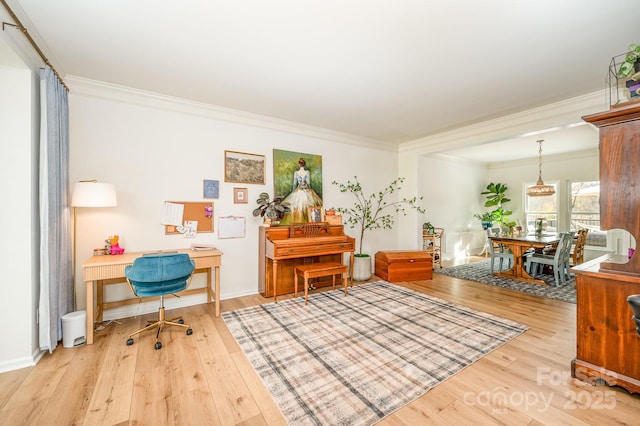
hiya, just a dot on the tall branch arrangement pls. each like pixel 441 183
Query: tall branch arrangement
pixel 370 212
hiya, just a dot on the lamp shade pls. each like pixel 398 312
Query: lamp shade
pixel 94 194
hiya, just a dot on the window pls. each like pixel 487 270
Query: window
pixel 584 210
pixel 541 208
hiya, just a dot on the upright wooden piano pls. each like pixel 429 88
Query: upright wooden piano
pixel 282 248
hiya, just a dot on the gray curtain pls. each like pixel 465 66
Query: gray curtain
pixel 56 277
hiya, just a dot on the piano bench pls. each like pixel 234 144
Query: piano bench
pixel 316 270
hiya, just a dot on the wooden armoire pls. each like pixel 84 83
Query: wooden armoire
pixel 607 345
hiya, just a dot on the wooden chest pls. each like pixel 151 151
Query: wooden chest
pixel 401 265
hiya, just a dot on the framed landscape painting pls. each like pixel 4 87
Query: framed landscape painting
pixel 241 167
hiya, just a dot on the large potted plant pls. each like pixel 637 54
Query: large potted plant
pixel 271 210
pixel 370 212
pixel 496 197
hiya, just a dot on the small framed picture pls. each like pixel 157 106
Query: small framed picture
pixel 316 214
pixel 211 189
pixel 240 195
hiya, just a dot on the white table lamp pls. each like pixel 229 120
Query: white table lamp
pixel 89 193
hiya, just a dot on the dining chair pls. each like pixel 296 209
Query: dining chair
pixel 559 260
pixel 499 252
pixel 160 275
pixel 577 253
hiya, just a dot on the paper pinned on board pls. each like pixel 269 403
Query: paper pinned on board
pixel 190 228
pixel 172 214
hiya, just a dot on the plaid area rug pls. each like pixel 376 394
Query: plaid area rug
pixel 354 360
pixel 480 272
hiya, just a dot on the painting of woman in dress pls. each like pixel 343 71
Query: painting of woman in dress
pixel 302 175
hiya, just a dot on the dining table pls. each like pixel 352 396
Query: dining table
pixel 518 245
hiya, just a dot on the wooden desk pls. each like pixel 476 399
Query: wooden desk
pixel 100 268
pixel 518 245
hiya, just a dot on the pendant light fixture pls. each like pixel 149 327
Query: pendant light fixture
pixel 540 189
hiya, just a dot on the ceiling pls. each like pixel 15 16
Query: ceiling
pixel 385 71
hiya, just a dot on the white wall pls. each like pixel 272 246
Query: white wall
pixel 157 149
pixel 18 253
pixel 452 190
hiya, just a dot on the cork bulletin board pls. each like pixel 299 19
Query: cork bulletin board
pixel 202 211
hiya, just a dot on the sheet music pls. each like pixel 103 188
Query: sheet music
pixel 172 214
pixel 231 227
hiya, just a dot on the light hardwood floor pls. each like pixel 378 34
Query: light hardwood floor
pixel 205 378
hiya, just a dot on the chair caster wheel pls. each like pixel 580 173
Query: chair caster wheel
pixel 189 332
pixel 158 345
pixel 180 321
pixel 129 341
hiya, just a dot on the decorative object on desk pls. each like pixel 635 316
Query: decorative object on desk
pixel 480 272
pixel 298 180
pixel 240 195
pixel 369 212
pixel 210 188
pixel 416 339
pixel 241 167
pixel 112 245
pixel 496 196
pixel 540 189
pixel 271 210
pixel 89 193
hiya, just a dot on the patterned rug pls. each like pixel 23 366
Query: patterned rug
pixel 354 360
pixel 480 272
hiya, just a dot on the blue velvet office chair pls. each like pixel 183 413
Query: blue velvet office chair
pixel 159 275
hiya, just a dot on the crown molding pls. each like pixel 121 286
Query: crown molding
pixel 81 86
pixel 558 114
pixel 557 158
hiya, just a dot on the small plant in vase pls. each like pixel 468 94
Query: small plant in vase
pixel 427 226
pixel 486 219
pixel 271 210
pixel 629 65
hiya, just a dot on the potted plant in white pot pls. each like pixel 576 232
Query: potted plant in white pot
pixel 370 212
